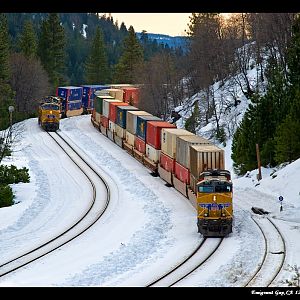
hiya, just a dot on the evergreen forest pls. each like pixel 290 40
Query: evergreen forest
pixel 40 51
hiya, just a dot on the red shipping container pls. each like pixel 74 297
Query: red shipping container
pixel 182 173
pixel 167 162
pixel 131 95
pixel 112 115
pixel 140 145
pixel 153 135
pixel 104 121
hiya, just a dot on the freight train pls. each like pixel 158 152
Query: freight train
pixel 49 115
pixel 78 100
pixel 190 163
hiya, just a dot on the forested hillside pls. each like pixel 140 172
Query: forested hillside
pixel 39 52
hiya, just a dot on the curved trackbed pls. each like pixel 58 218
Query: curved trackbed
pixel 274 254
pixel 96 208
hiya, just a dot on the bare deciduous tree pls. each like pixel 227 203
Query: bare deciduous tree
pixel 29 81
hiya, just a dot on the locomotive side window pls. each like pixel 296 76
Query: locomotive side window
pixel 50 106
pixel 223 188
pixel 206 189
pixel 218 188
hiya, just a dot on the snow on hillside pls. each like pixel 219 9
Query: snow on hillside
pixel 231 103
pixel 129 256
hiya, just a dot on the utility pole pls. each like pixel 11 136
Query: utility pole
pixel 259 177
pixel 10 110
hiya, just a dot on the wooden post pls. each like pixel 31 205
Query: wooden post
pixel 259 177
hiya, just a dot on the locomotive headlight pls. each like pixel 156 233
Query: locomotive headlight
pixel 215 198
pixel 205 215
pixel 50 112
pixel 223 215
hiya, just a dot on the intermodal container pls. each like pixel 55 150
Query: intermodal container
pixel 168 140
pixel 203 157
pixel 140 145
pixel 182 173
pixel 152 153
pixel 120 132
pixel 167 162
pixel 70 93
pixel 122 114
pixel 94 114
pixel 131 118
pixel 116 93
pixel 97 117
pixel 105 108
pixel 111 126
pixel 74 104
pixel 121 85
pixel 104 92
pixel 131 95
pixel 98 103
pixel 183 144
pixel 104 121
pixel 153 135
pixel 88 94
pixel 113 110
pixel 129 138
pixel 141 125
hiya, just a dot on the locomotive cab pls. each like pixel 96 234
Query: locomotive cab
pixel 49 115
pixel 214 203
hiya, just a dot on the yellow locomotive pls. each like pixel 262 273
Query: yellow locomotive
pixel 214 203
pixel 49 116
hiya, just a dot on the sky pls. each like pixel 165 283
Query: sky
pixel 173 24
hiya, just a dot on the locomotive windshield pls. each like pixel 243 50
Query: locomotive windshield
pixel 215 187
pixel 50 106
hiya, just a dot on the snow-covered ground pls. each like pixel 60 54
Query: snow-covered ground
pixel 147 227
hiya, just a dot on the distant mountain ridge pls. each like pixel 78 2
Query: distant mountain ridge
pixel 171 41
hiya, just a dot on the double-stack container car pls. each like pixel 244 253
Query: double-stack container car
pixel 88 96
pixel 190 163
pixel 71 100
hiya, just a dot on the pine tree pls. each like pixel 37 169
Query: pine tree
pixel 131 59
pixel 244 143
pixel 6 93
pixel 193 121
pixel 27 40
pixel 51 49
pixel 287 137
pixel 287 140
pixel 96 71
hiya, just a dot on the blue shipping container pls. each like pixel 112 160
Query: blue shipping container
pixel 70 93
pixel 88 94
pixel 121 114
pixel 73 105
pixel 141 125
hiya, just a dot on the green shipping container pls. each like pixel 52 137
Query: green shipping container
pixel 98 103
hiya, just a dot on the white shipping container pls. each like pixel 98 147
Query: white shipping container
pixel 129 137
pixel 203 157
pixel 152 153
pixel 168 140
pixel 105 108
pixel 183 144
pixel 111 126
pixel 120 132
pixel 117 94
pixel 131 117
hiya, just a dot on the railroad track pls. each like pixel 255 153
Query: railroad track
pixel 96 208
pixel 196 259
pixel 274 254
